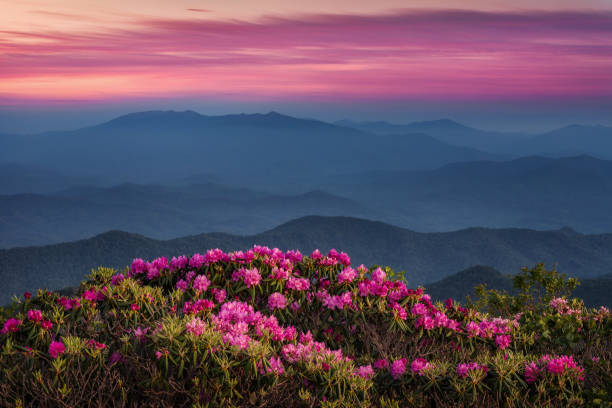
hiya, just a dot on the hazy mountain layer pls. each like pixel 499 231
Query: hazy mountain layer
pixel 272 149
pixel 161 212
pixel 531 192
pixel 424 257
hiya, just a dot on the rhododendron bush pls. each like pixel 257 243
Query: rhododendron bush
pixel 270 328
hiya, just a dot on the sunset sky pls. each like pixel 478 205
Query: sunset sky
pixel 486 62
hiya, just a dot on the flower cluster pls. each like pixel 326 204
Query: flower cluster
pixel 553 366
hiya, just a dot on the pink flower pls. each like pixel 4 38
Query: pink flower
pixel 138 266
pixel 297 283
pixel 365 371
pixel 56 348
pixel 46 324
pixel 464 369
pixel 201 283
pixel 532 371
pixel 251 277
pixel 399 311
pixel 140 333
pixel 35 315
pixel 419 309
pixel 277 301
pixel 382 363
pixel 347 275
pixel 503 341
pixel 275 366
pixel 182 285
pixel 11 325
pixel 134 307
pixel 426 322
pixel 117 279
pixel 196 326
pixel 398 368
pixel 379 276
pixel 419 365
pixel 196 261
pixel 219 294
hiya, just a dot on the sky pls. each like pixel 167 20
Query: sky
pixel 505 65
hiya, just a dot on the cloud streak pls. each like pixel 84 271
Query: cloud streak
pixel 405 55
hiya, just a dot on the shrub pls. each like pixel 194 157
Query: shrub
pixel 270 328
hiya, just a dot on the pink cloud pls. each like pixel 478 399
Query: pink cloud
pixel 400 55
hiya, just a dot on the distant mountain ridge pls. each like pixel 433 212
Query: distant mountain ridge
pixel 571 140
pixel 446 130
pixel 158 211
pixel 535 192
pixel 156 145
pixel 425 257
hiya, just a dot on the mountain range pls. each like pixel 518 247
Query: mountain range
pixel 158 211
pixel 534 192
pixel 531 192
pixel 571 140
pixel 270 149
pixel 423 257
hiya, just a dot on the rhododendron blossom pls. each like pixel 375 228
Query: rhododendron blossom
pixel 35 315
pixel 195 326
pixel 200 283
pixel 56 348
pixel 398 368
pixel 277 301
pixel 11 326
pixel 420 365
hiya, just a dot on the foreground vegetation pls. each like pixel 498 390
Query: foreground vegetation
pixel 267 328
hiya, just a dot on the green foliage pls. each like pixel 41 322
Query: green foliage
pixel 132 342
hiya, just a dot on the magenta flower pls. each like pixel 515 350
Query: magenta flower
pixel 56 348
pixel 201 283
pixel 138 266
pixel 135 307
pixel 219 295
pixel 275 366
pixel 419 365
pixel 503 341
pixel 182 285
pixel 399 311
pixel 380 364
pixel 11 325
pixel 196 326
pixel 46 324
pixel 347 275
pixel 464 369
pixel 366 372
pixel 141 334
pixel 196 261
pixel 277 301
pixel 297 283
pixel 35 315
pixel 117 279
pixel 251 277
pixel 419 309
pixel 379 276
pixel 398 368
pixel 532 371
